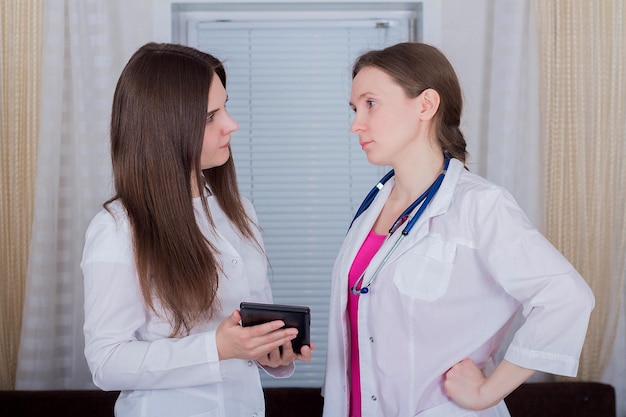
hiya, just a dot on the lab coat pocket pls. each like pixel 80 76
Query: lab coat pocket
pixel 424 272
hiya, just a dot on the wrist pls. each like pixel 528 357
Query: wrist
pixel 487 396
pixel 222 351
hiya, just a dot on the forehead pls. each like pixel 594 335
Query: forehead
pixel 217 92
pixel 372 80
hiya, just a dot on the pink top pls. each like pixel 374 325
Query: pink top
pixel 369 248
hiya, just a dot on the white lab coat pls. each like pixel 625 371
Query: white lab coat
pixel 127 346
pixel 449 292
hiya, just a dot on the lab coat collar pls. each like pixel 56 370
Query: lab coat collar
pixel 442 200
pixel 438 206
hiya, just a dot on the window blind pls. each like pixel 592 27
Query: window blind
pixel 288 84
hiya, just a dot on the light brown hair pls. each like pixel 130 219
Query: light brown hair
pixel 157 126
pixel 417 67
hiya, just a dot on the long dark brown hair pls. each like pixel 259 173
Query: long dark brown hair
pixel 157 126
pixel 417 67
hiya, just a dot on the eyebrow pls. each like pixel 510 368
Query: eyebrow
pixel 361 96
pixel 212 112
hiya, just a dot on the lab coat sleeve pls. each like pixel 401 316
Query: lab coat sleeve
pixel 556 300
pixel 114 310
pixel 284 371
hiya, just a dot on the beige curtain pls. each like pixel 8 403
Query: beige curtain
pixel 583 97
pixel 21 27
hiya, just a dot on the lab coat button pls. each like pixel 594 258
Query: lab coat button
pixel 249 363
pixel 371 339
pixel 255 415
pixel 373 398
pixel 234 261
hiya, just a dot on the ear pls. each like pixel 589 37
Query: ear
pixel 429 104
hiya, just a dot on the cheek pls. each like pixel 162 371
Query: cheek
pixel 209 139
pixel 208 147
pixel 212 155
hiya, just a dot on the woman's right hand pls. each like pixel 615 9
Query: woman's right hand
pixel 235 341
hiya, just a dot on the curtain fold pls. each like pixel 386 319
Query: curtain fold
pixel 583 90
pixel 513 138
pixel 86 44
pixel 21 34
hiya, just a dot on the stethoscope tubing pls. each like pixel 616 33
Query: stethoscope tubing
pixel 365 289
pixel 424 199
pixel 369 198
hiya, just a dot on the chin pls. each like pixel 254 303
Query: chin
pixel 376 161
pixel 217 161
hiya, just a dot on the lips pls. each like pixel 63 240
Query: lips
pixel 364 144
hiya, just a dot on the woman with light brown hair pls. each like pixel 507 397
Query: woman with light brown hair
pixel 437 263
pixel 168 260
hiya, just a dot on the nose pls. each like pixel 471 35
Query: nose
pixel 357 124
pixel 231 126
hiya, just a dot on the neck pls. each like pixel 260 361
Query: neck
pixel 413 177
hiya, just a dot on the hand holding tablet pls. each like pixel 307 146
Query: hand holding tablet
pixel 293 316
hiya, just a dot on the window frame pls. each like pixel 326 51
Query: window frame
pixel 169 15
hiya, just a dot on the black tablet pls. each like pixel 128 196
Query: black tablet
pixel 293 316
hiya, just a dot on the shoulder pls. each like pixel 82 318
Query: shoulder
pixel 474 183
pixel 248 207
pixel 107 238
pixel 478 203
pixel 462 187
pixel 113 217
pixel 477 190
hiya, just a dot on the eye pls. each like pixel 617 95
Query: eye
pixel 370 103
pixel 209 117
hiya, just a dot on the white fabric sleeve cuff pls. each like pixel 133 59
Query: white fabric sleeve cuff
pixel 542 361
pixel 284 371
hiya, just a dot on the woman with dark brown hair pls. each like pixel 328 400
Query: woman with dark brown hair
pixel 437 263
pixel 168 260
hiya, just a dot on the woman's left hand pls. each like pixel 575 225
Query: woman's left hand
pixel 463 384
pixel 467 386
pixel 286 355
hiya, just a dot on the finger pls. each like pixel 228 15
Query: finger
pixel 285 341
pixel 276 337
pixel 265 328
pixel 233 319
pixel 287 348
pixel 305 353
pixel 274 357
pixel 263 360
pixel 263 345
pixel 236 316
pixel 288 355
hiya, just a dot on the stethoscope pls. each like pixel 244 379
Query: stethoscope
pixel 423 199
